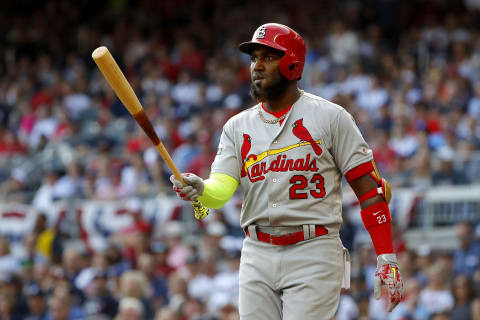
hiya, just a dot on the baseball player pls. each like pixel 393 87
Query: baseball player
pixel 288 153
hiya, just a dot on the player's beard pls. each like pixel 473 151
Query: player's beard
pixel 271 92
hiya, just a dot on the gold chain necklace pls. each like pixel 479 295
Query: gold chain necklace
pixel 259 109
pixel 260 113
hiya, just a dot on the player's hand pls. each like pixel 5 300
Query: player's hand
pixel 192 190
pixel 388 275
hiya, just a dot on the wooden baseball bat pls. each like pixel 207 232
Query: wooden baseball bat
pixel 115 77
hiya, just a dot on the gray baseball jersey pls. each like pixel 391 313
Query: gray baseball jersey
pixel 290 173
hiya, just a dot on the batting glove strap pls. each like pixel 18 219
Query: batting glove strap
pixel 388 275
pixel 192 190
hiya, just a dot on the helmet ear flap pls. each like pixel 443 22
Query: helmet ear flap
pixel 289 68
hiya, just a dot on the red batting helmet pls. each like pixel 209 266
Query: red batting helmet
pixel 282 38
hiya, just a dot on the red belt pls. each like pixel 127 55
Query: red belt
pixel 287 238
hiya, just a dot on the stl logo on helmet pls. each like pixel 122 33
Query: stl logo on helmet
pixel 261 32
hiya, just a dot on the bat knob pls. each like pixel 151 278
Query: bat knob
pixel 200 211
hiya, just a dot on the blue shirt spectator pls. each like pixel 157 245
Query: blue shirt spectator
pixel 466 259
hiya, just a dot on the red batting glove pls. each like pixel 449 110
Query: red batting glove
pixel 388 275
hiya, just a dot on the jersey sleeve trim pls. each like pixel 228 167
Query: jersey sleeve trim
pixel 359 171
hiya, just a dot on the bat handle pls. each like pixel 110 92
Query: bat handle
pixel 199 210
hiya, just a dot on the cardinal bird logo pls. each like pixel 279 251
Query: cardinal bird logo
pixel 246 146
pixel 302 133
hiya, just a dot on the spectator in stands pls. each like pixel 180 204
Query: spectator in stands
pixel 135 178
pixel 362 299
pixel 49 242
pixel 45 195
pixel 160 252
pixel 194 308
pixel 116 264
pixel 12 286
pixel 436 297
pixel 29 250
pixel 367 264
pixel 476 309
pixel 210 244
pixel 440 316
pixel 73 263
pixel 7 307
pixel 177 251
pixel 8 262
pixel 225 283
pixel 384 155
pixel 423 261
pixel 420 167
pixel 10 145
pixel 474 103
pixel 178 291
pixel 201 285
pixel 410 308
pixel 37 304
pixel 347 308
pixel 447 174
pixel 13 189
pixel 60 308
pixel 159 290
pixel 342 43
pixel 476 282
pixel 374 98
pixel 99 300
pixel 130 309
pixel 167 314
pixel 466 258
pixel 70 184
pixel 97 263
pixel 462 292
pixel 406 262
pixel 134 284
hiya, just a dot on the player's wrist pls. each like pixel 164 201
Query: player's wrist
pixel 387 258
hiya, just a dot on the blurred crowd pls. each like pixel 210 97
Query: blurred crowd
pixel 408 71
pixel 440 285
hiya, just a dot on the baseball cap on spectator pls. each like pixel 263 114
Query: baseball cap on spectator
pixel 173 229
pixel 34 290
pixel 216 229
pixel 100 274
pixel 131 303
pixel 159 247
pixel 10 278
pixel 446 154
pixel 58 272
pixel 133 205
pixel 233 101
pixel 423 250
pixel 193 258
pixel 19 175
pixel 117 270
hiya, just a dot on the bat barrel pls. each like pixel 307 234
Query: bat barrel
pixel 109 68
